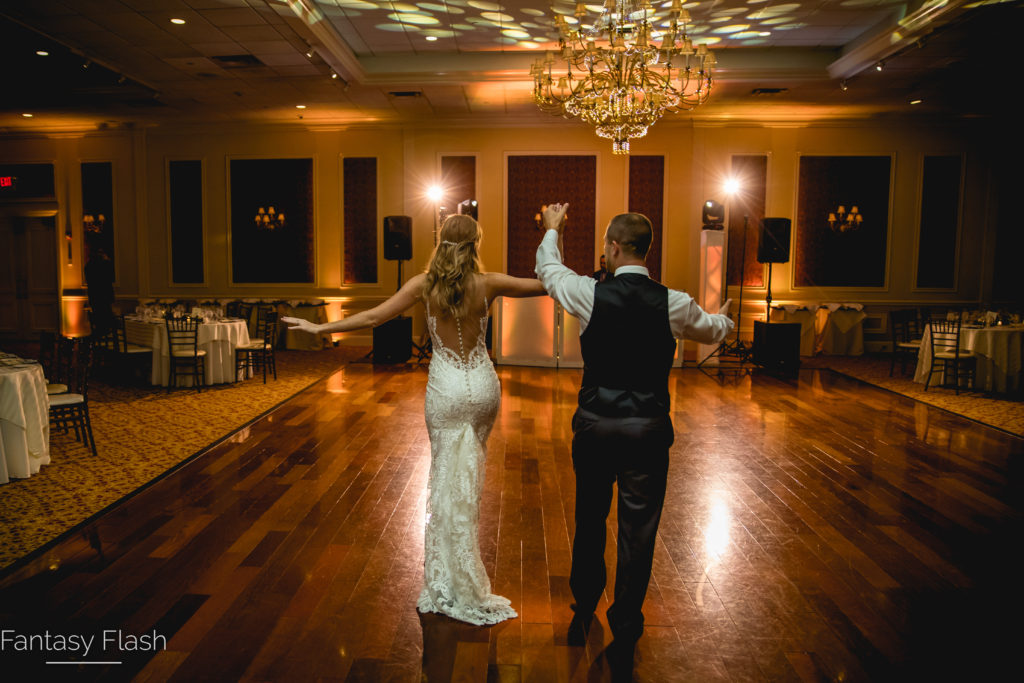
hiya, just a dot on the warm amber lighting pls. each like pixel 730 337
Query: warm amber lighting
pixel 716 533
pixel 731 186
pixel 434 193
pixel 179 22
pixel 841 221
pixel 269 219
pixel 624 85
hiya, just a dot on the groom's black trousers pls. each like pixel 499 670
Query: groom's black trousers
pixel 633 452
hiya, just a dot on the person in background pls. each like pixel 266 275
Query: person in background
pixel 99 281
pixel 601 274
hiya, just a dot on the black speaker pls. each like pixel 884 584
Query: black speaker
pixel 397 238
pixel 392 341
pixel 773 242
pixel 777 346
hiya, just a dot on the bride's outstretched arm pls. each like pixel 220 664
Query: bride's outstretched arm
pixel 500 284
pixel 402 300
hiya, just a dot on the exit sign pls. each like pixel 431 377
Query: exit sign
pixel 8 181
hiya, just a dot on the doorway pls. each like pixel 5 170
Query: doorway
pixel 29 301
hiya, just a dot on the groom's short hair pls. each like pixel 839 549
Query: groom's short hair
pixel 633 232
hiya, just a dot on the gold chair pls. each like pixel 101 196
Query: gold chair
pixel 947 354
pixel 184 352
pixel 54 365
pixel 906 338
pixel 259 353
pixel 126 357
pixel 70 410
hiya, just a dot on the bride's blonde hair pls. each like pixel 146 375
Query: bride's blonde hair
pixel 455 259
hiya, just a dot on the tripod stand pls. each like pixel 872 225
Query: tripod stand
pixel 736 348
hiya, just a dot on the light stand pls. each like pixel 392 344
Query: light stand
pixel 736 348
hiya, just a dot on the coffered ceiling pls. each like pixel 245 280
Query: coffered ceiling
pixel 113 63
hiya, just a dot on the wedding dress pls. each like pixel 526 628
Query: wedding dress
pixel 461 404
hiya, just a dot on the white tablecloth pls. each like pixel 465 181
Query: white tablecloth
pixel 998 351
pixel 844 333
pixel 24 421
pixel 218 339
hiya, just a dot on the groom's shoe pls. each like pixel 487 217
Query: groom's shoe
pixel 580 625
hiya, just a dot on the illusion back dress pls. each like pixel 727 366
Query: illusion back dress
pixel 462 400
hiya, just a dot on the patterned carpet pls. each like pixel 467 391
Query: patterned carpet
pixel 141 433
pixel 1003 412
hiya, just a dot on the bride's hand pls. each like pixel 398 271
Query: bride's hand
pixel 300 324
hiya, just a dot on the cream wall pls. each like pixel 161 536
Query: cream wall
pixel 697 161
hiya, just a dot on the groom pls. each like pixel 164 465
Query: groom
pixel 621 430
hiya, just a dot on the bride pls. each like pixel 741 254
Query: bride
pixel 461 404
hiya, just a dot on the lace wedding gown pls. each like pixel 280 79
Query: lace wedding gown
pixel 461 403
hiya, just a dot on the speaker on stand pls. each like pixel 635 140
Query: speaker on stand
pixel 392 341
pixel 776 345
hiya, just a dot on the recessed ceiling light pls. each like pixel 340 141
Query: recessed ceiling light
pixel 42 53
pixel 177 21
pixel 27 116
pixel 431 38
pixel 300 106
pixel 915 101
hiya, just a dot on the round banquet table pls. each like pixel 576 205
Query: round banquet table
pixel 24 419
pixel 997 349
pixel 218 338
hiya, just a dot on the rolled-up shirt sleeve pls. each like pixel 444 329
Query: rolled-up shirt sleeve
pixel 574 292
pixel 690 321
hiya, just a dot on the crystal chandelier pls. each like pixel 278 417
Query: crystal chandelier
pixel 626 85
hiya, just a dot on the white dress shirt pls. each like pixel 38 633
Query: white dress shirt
pixel 576 294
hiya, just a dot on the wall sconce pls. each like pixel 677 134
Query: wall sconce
pixel 269 219
pixel 93 224
pixel 840 221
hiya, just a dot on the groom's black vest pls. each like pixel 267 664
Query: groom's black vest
pixel 627 349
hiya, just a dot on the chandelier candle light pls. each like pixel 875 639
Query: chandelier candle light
pixel 627 83
pixel 845 221
pixel 269 219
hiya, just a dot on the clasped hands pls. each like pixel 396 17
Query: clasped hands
pixel 554 216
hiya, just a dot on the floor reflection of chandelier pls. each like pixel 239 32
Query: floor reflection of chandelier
pixel 625 86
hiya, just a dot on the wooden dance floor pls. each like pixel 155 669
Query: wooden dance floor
pixel 819 529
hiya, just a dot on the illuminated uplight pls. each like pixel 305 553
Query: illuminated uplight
pixel 434 193
pixel 177 21
pixel 300 106
pixel 27 115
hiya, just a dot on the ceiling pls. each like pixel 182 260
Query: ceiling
pixel 113 64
